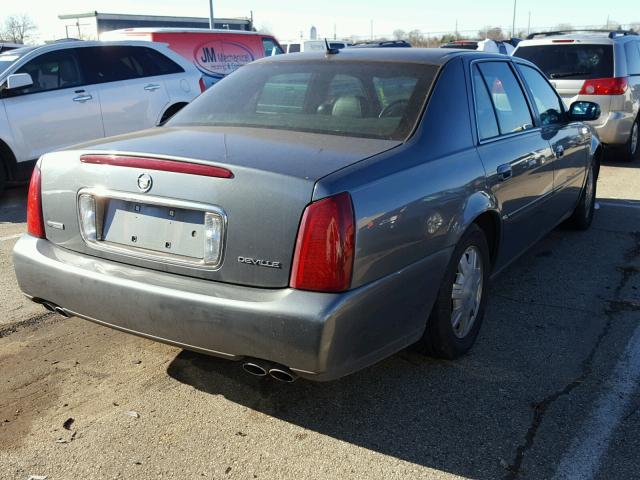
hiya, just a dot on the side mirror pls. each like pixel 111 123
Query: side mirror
pixel 584 111
pixel 19 80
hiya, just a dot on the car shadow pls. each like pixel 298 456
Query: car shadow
pixel 472 416
pixel 13 205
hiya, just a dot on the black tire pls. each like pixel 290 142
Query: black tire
pixel 583 214
pixel 631 152
pixel 3 178
pixel 440 338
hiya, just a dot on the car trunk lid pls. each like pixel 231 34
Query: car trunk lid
pixel 155 218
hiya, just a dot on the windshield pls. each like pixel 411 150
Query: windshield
pixel 10 57
pixel 570 61
pixel 375 100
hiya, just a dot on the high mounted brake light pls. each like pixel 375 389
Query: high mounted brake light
pixel 35 219
pixel 157 164
pixel 323 259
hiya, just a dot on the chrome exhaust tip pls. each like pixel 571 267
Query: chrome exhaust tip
pixel 254 369
pixel 48 306
pixel 61 311
pixel 283 375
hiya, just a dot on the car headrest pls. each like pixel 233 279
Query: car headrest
pixel 347 106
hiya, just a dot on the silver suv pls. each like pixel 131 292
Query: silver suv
pixel 598 66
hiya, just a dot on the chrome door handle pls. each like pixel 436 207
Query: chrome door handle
pixel 559 151
pixel 82 98
pixel 151 87
pixel 504 172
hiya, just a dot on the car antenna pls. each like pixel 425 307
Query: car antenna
pixel 330 51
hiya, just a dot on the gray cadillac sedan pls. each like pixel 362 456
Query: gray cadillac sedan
pixel 312 214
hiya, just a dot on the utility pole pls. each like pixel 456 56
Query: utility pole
pixel 335 37
pixel 371 29
pixel 529 24
pixel 211 22
pixel 513 25
pixel 456 32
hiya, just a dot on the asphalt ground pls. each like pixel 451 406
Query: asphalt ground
pixel 549 391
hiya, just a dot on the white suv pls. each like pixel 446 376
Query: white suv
pixel 56 95
pixel 597 66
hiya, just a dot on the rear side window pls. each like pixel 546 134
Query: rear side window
pixel 155 63
pixel 544 96
pixel 485 114
pixel 53 71
pixel 570 61
pixel 115 63
pixel 632 49
pixel 294 48
pixel 507 97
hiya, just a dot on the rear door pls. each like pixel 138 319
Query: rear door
pixel 131 90
pixel 515 154
pixel 568 141
pixel 58 110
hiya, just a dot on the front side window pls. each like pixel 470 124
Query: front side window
pixel 52 71
pixel 342 98
pixel 544 96
pixel 270 47
pixel 507 97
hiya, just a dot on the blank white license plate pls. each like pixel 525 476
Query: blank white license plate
pixel 173 231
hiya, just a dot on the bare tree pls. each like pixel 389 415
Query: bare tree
pixel 399 34
pixel 19 28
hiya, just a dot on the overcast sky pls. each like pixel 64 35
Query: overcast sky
pixel 286 18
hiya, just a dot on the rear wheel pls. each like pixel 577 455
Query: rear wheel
pixel 3 177
pixel 632 148
pixel 583 214
pixel 456 317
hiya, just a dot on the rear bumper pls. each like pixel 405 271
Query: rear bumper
pixel 614 127
pixel 319 336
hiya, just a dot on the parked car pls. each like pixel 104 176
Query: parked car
pixel 6 46
pixel 55 95
pixel 313 45
pixel 216 53
pixel 598 66
pixel 382 44
pixel 505 47
pixel 305 217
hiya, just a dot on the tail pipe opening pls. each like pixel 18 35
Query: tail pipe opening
pixel 262 368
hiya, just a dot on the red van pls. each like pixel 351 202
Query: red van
pixel 216 53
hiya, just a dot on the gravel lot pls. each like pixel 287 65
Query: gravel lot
pixel 549 391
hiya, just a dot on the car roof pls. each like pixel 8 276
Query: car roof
pixel 62 44
pixel 600 37
pixel 432 56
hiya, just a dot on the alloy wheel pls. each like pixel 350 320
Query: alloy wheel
pixel 466 294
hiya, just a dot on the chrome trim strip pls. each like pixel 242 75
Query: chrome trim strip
pixel 101 195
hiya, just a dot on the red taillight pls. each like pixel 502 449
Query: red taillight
pixel 605 86
pixel 323 259
pixel 203 87
pixel 158 164
pixel 562 41
pixel 35 220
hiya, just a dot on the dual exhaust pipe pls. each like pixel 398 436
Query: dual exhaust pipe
pixel 52 307
pixel 260 368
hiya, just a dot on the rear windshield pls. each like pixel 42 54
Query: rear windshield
pixel 374 100
pixel 570 61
